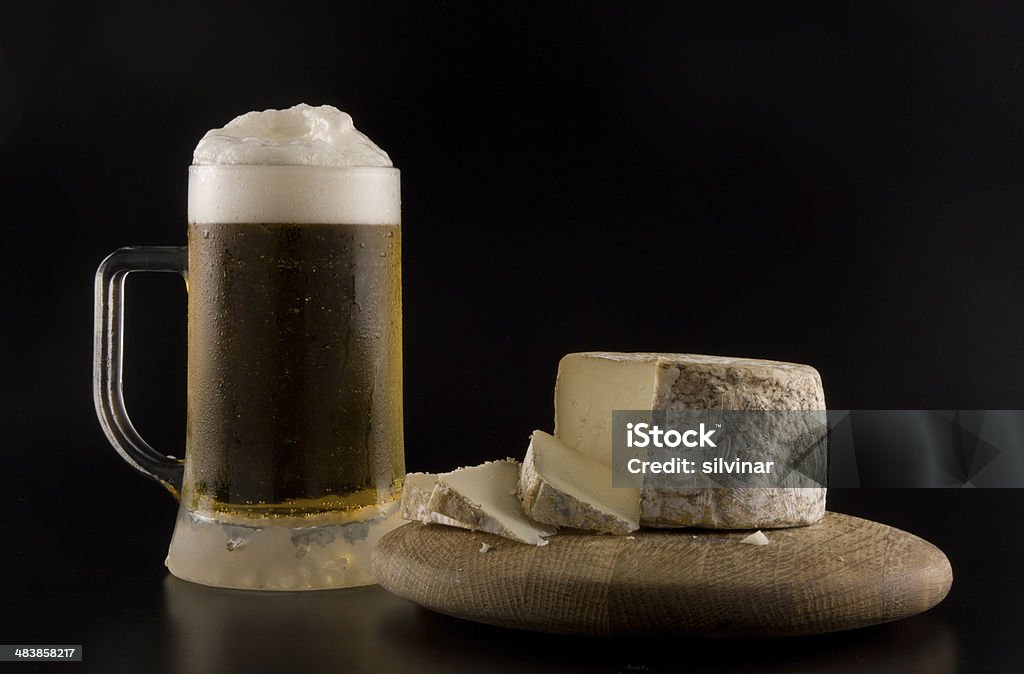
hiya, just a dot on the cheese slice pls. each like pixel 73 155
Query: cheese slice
pixel 416 494
pixel 483 498
pixel 564 487
pixel 591 385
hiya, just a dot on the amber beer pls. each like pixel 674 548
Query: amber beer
pixel 295 368
pixel 295 344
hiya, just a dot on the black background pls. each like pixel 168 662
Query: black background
pixel 832 183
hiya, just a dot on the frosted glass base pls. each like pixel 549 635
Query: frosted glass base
pixel 267 554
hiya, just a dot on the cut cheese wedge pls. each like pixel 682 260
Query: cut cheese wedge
pixel 483 498
pixel 564 487
pixel 416 495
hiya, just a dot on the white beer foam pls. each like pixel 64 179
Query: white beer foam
pixel 302 135
pixel 303 165
pixel 233 194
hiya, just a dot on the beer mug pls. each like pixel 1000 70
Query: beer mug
pixel 293 462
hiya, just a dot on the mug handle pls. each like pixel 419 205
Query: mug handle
pixel 108 342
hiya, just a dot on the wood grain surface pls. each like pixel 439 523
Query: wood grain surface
pixel 841 573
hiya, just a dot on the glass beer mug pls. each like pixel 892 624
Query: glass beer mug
pixel 294 462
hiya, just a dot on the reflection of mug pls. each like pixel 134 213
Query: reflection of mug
pixel 294 453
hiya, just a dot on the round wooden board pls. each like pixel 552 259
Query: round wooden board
pixel 841 573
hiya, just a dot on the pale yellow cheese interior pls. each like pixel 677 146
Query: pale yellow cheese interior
pixel 589 387
pixel 491 487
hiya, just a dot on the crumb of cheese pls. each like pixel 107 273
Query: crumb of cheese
pixel 756 538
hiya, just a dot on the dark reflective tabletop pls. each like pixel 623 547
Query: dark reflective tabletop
pixel 90 571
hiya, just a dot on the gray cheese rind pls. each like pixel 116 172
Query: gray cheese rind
pixel 545 503
pixel 685 382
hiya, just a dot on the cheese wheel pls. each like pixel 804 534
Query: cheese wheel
pixel 591 385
